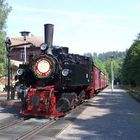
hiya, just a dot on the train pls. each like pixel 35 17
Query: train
pixel 55 81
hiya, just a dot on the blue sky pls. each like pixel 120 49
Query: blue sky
pixel 82 25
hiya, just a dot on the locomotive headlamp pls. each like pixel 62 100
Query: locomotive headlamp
pixel 43 46
pixel 42 67
pixel 20 71
pixel 65 72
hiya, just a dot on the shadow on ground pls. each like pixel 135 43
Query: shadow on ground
pixel 111 116
pixel 9 107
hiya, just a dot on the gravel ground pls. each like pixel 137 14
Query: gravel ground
pixel 108 116
pixel 8 112
pixel 8 108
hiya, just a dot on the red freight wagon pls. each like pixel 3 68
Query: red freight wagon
pixel 106 81
pixel 96 79
pixel 103 80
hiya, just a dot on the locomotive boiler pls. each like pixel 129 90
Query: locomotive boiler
pixel 54 81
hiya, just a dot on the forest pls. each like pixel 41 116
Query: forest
pixel 131 65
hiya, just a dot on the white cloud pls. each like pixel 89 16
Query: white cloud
pixel 74 13
pixel 65 20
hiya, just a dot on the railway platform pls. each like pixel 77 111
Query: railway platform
pixel 109 116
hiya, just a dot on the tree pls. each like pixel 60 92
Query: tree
pixel 117 59
pixel 130 69
pixel 4 10
pixel 116 69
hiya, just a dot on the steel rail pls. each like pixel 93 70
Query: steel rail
pixel 9 122
pixel 34 130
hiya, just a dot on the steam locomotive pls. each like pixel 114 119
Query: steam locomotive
pixel 55 81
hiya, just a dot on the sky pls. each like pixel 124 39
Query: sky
pixel 85 26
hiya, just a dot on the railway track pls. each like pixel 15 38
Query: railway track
pixel 36 129
pixel 14 128
pixel 54 127
pixel 18 128
pixel 10 122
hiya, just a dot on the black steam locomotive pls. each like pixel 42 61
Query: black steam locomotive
pixel 54 81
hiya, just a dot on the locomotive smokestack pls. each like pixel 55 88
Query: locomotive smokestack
pixel 48 31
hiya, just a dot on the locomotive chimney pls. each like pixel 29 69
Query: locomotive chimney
pixel 48 31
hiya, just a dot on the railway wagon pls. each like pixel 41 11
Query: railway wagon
pixel 97 79
pixel 102 81
pixel 55 81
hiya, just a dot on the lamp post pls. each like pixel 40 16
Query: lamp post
pixel 112 74
pixel 25 34
pixel 8 48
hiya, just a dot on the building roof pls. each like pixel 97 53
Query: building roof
pixel 37 41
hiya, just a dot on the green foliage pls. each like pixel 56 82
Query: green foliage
pixel 130 69
pixel 4 10
pixel 116 55
pixel 116 69
pixel 2 55
pixel 117 60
